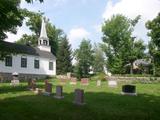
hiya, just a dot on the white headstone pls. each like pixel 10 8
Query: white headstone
pixel 112 83
pixel 15 80
pixel 98 82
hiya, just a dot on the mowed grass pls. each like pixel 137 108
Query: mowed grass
pixel 102 103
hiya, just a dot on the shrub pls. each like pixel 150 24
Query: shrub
pixel 99 76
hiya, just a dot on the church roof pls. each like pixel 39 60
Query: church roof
pixel 29 50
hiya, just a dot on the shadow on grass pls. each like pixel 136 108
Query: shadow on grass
pixel 99 106
pixel 8 88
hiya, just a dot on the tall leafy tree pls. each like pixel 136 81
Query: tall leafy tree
pixel 154 45
pixel 119 47
pixel 84 57
pixel 64 58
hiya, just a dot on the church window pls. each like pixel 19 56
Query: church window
pixel 8 61
pixel 23 62
pixel 50 65
pixel 45 42
pixel 36 64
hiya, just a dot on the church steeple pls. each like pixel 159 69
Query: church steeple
pixel 43 41
pixel 43 33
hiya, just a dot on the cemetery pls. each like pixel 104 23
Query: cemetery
pixel 49 99
pixel 80 60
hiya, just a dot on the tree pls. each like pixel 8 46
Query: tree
pixel 64 58
pixel 117 36
pixel 84 57
pixel 133 52
pixel 98 62
pixel 11 17
pixel 154 44
pixel 34 24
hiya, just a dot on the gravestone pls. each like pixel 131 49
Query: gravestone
pixel 59 92
pixel 98 82
pixel 38 91
pixel 84 81
pixel 129 90
pixel 79 97
pixel 73 81
pixel 29 84
pixel 46 82
pixel 32 84
pixel 112 83
pixel 15 80
pixel 48 89
pixel 69 75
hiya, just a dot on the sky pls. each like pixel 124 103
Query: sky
pixel 83 18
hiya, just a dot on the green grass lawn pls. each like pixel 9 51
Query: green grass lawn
pixel 102 103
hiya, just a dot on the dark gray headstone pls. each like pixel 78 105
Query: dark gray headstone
pixel 129 89
pixel 48 88
pixel 59 92
pixel 79 97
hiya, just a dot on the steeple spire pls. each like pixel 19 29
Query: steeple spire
pixel 43 33
pixel 43 41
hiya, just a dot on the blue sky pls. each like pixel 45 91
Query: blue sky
pixel 83 18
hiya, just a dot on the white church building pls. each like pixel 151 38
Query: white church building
pixel 35 62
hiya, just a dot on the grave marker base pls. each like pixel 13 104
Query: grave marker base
pixel 58 97
pixel 130 94
pixel 46 93
pixel 77 103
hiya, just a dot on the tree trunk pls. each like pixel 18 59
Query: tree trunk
pixel 131 68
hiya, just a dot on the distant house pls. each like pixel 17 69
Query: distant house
pixel 36 62
pixel 139 66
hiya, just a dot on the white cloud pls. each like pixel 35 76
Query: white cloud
pixel 148 9
pixel 76 35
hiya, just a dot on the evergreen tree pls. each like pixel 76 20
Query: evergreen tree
pixel 64 58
